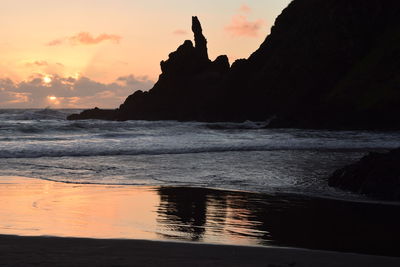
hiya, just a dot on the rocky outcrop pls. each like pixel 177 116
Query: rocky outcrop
pixel 199 39
pixel 184 90
pixel 94 114
pixel 376 175
pixel 326 64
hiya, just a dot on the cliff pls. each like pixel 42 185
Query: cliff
pixel 326 64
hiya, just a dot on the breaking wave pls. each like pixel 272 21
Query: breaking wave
pixel 243 156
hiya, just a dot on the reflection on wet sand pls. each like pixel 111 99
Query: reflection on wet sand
pixel 183 213
pixel 37 207
pixel 197 214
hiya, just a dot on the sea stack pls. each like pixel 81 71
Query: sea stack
pixel 199 39
pixel 187 83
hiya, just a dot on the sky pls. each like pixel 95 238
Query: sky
pixel 86 53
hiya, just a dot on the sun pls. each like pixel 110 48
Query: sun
pixel 47 79
pixel 53 100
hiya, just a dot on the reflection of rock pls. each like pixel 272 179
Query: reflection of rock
pixel 326 64
pixel 377 174
pixel 193 214
pixel 186 211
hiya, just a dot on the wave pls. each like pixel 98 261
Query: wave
pixel 30 138
pixel 247 125
pixel 45 114
pixel 175 151
pixel 118 135
pixel 107 128
pixel 35 114
pixel 61 115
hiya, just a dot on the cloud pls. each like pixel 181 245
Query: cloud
pixel 19 97
pixel 240 26
pixel 180 32
pixel 69 92
pixel 56 42
pixel 245 9
pixel 85 38
pixel 13 98
pixel 141 82
pixel 41 66
pixel 37 63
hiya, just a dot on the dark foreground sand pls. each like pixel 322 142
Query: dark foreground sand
pixel 51 251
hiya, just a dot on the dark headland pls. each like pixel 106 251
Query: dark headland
pixel 326 64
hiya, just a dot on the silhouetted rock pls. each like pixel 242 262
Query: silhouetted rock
pixel 377 175
pixel 185 86
pixel 326 64
pixel 95 114
pixel 199 39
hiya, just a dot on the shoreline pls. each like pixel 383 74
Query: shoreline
pixel 38 210
pixel 351 196
pixel 56 251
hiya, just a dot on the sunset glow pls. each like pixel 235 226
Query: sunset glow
pixel 47 79
pixel 54 101
pixel 199 133
pixel 131 42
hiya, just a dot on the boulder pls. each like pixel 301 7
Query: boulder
pixel 376 175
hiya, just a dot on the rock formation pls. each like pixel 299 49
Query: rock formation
pixel 326 64
pixel 199 39
pixel 184 90
pixel 376 175
pixel 95 114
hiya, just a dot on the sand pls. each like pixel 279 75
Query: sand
pixel 51 251
pixel 31 208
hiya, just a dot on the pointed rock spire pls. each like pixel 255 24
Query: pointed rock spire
pixel 199 39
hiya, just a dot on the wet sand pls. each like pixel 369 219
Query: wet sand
pixel 32 207
pixel 52 251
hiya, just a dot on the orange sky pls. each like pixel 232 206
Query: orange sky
pixel 85 53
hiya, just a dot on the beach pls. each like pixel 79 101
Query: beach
pixel 256 142
pixel 50 223
pixel 52 251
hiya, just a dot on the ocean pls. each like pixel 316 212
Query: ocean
pixel 233 156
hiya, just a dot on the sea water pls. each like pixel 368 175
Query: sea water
pixel 234 156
